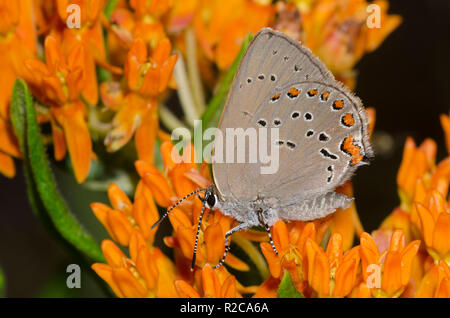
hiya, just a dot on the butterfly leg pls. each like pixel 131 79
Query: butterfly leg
pixel 263 222
pixel 270 238
pixel 238 228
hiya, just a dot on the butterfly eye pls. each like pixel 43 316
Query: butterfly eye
pixel 211 201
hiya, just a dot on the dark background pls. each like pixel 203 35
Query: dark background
pixel 406 80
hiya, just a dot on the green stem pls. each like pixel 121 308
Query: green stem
pixel 193 71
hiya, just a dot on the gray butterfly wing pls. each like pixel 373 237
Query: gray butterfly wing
pixel 323 136
pixel 271 61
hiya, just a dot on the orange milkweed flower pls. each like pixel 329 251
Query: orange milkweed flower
pixel 141 20
pixel 58 84
pixel 331 273
pixel 436 283
pixel 289 241
pixel 124 218
pixel 417 162
pixel 148 20
pixel 394 264
pixel 17 43
pixel 222 26
pixel 435 226
pixel 181 179
pixel 213 285
pixel 90 34
pixel 147 76
pixel 147 273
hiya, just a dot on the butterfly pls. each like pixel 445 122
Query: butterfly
pixel 323 139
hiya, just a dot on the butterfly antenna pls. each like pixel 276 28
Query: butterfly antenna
pixel 204 200
pixel 175 205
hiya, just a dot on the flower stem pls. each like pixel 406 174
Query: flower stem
pixel 193 71
pixel 168 118
pixel 184 92
pixel 253 253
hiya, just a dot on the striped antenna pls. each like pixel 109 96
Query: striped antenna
pixel 175 205
pixel 204 200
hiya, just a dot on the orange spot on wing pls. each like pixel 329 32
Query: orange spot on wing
pixel 352 149
pixel 293 92
pixel 325 96
pixel 338 104
pixel 348 120
pixel 275 97
pixel 313 92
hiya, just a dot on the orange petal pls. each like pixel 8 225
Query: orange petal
pixel 71 118
pixel 318 268
pixel 182 185
pixel 408 152
pixel 268 289
pixel 185 290
pixel 167 275
pixel 114 256
pixel 8 140
pixel 280 236
pixel 408 255
pixel 53 55
pixel 214 243
pixel 228 289
pixel 345 278
pixel 101 213
pixel 427 223
pixel 119 200
pixel 146 214
pixel 272 259
pixel 236 263
pixel 137 242
pixel 146 266
pixel 128 284
pixel 150 83
pixel 186 238
pixel 211 284
pixel 369 253
pixel 106 273
pixel 7 167
pixel 444 289
pixel 59 141
pixel 145 137
pixel 334 249
pixel 166 72
pixel 392 274
pixel 120 226
pixel 441 242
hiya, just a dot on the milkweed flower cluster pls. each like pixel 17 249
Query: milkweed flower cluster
pixel 407 256
pixel 107 84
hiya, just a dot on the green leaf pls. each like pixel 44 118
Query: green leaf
pixel 214 110
pixel 44 195
pixel 2 284
pixel 109 7
pixel 18 117
pixel 287 288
